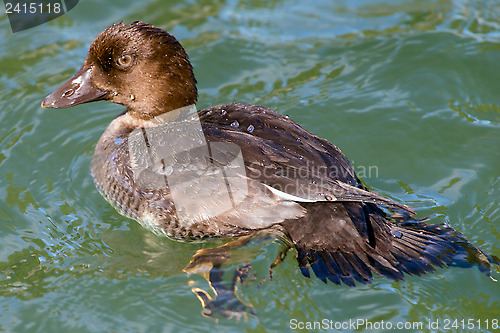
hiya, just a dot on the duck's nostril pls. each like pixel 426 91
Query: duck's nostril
pixel 68 92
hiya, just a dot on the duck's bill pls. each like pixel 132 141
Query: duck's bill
pixel 79 89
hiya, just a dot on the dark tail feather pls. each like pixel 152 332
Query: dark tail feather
pixel 439 246
pixel 342 250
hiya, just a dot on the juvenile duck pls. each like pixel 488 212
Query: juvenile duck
pixel 232 169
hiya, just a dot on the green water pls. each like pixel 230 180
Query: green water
pixel 409 90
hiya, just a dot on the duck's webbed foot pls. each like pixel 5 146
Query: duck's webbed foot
pixel 225 303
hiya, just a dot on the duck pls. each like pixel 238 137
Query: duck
pixel 231 170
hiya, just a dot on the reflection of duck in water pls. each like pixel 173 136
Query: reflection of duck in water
pixel 234 169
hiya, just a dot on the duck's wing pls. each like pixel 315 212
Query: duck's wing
pixel 291 162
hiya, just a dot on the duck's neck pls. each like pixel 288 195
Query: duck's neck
pixel 157 116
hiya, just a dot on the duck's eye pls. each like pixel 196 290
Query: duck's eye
pixel 124 60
